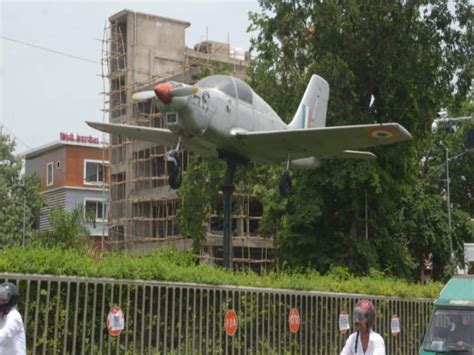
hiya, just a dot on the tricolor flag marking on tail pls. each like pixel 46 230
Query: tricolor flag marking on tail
pixel 306 118
pixel 312 109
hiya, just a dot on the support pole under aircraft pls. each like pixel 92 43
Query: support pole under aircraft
pixel 228 189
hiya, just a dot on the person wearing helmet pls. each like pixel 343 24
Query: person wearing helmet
pixel 12 332
pixel 364 341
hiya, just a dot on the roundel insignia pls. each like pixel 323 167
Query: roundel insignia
pixel 380 133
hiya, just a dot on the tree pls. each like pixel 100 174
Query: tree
pixel 68 229
pixel 452 139
pixel 198 194
pixel 20 199
pixel 406 58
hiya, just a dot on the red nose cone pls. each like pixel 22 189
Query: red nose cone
pixel 163 92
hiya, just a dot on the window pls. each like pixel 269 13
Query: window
pixel 223 83
pixel 93 172
pixel 450 329
pixel 96 209
pixel 49 174
pixel 244 92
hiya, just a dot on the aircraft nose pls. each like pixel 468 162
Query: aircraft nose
pixel 162 90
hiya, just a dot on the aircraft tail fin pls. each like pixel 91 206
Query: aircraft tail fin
pixel 312 110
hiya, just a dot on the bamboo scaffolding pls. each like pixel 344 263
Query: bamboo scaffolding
pixel 142 213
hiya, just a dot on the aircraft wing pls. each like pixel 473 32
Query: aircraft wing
pixel 323 142
pixel 148 134
pixel 158 136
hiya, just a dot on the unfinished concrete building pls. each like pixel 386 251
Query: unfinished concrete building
pixel 139 50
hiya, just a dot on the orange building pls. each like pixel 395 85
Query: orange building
pixel 72 171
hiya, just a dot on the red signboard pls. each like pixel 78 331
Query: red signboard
pixel 231 322
pixel 294 320
pixel 115 321
pixel 70 137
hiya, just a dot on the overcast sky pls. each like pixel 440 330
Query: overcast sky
pixel 43 94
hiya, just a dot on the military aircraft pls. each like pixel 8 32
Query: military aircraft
pixel 222 116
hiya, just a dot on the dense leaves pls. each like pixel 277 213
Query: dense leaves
pixel 68 229
pixel 20 202
pixel 19 196
pixel 386 61
pixel 173 265
pixel 405 58
pixel 198 193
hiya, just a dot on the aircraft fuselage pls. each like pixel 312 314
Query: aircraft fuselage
pixel 209 117
pixel 222 114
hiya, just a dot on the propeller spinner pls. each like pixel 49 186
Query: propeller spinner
pixel 165 92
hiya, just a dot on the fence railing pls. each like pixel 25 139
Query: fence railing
pixel 68 315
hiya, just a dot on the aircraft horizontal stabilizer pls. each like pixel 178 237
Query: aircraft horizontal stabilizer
pixel 148 134
pixel 324 142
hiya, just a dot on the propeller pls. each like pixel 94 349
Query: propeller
pixel 183 91
pixel 143 95
pixel 165 92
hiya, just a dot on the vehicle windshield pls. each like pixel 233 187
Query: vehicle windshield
pixel 450 331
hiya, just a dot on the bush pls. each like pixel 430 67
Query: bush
pixel 68 229
pixel 173 265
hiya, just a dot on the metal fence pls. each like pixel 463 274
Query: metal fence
pixel 68 315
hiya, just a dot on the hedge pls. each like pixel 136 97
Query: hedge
pixel 177 266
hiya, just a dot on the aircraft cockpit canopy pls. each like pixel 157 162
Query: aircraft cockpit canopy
pixel 228 85
pixel 244 92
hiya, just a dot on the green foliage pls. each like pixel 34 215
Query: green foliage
pixel 449 142
pixel 461 163
pixel 214 68
pixel 68 229
pixel 68 302
pixel 407 58
pixel 68 316
pixel 19 196
pixel 413 59
pixel 198 192
pixel 172 265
